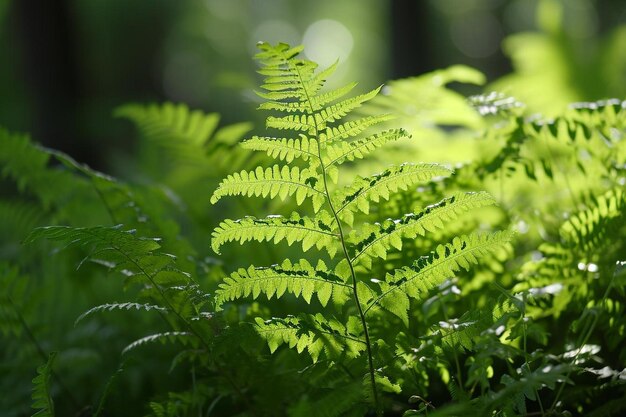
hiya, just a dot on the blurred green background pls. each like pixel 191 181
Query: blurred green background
pixel 66 64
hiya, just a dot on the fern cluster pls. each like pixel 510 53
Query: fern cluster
pixel 410 304
pixel 324 139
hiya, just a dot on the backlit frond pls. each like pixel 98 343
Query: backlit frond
pixel 375 240
pixel 313 333
pixel 300 279
pixel 430 271
pixel 310 231
pixel 271 182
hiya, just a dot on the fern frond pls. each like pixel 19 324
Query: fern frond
pixel 184 338
pixel 463 332
pixel 526 384
pixel 42 400
pixel 317 81
pixel 272 182
pixel 320 100
pixel 26 163
pixel 300 279
pixel 119 306
pixel 284 149
pixel 588 229
pixel 430 271
pixel 169 122
pixel 310 231
pixel 302 123
pixel 352 128
pixel 313 333
pixel 337 153
pixel 363 190
pixel 134 257
pixel 288 106
pixel 374 240
pixel 314 103
pixel 343 108
pixel 100 237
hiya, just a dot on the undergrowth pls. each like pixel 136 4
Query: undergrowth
pixel 484 280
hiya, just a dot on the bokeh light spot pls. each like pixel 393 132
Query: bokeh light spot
pixel 327 40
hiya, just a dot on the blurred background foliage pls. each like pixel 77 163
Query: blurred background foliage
pixel 69 63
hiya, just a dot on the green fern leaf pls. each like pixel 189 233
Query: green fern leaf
pixel 288 107
pixel 311 232
pixel 119 306
pixel 101 238
pixel 300 279
pixel 184 338
pixel 272 182
pixel 136 258
pixel 358 195
pixel 463 332
pixel 431 271
pixel 284 149
pixel 589 229
pixel 26 163
pixel 294 122
pixel 313 333
pixel 42 400
pixel 169 122
pixel 339 152
pixel 352 128
pixel 313 84
pixel 374 240
pixel 320 100
pixel 343 108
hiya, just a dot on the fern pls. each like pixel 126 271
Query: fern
pixel 376 240
pixel 314 333
pixel 272 182
pixel 589 229
pixel 301 279
pixel 140 261
pixel 309 231
pixel 171 123
pixel 119 306
pixel 325 138
pixel 42 400
pixel 284 149
pixel 431 271
pixel 184 338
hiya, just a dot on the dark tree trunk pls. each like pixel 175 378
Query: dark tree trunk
pixel 48 65
pixel 412 43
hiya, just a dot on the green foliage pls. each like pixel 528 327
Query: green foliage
pixel 42 400
pixel 329 139
pixel 412 303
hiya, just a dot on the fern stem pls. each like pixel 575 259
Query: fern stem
pixel 343 246
pixel 355 292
